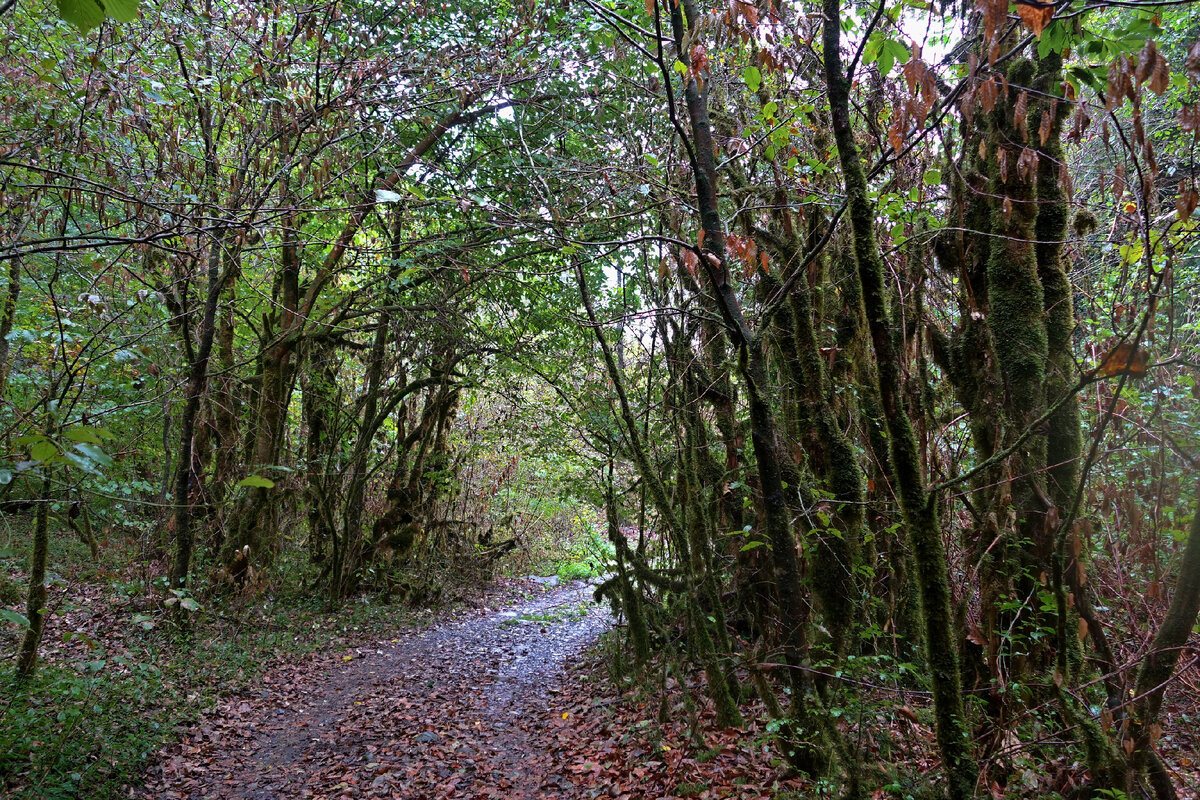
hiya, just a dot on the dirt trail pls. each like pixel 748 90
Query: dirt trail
pixel 455 711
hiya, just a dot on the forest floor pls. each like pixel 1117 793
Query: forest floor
pixel 500 704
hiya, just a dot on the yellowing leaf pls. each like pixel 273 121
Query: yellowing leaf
pixel 566 714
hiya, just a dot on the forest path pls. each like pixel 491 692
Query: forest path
pixel 464 709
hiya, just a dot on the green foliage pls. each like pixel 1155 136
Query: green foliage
pixel 87 14
pixel 590 555
pixel 82 730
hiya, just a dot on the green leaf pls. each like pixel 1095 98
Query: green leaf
pixel 752 77
pixel 95 454
pixel 81 434
pixel 121 10
pixel 386 196
pixel 189 604
pixel 752 545
pixel 886 61
pixel 680 67
pixel 83 14
pixel 14 618
pixel 933 177
pixel 5 477
pixel 768 111
pixel 257 481
pixel 43 451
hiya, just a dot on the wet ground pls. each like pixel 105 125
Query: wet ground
pixel 460 710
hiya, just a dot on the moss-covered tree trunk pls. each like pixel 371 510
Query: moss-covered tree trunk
pixel 35 600
pixel 8 315
pixel 919 508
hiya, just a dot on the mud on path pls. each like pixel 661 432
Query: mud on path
pixel 464 709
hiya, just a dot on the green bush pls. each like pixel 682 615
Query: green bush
pixel 590 555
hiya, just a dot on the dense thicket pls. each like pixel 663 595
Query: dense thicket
pixel 868 330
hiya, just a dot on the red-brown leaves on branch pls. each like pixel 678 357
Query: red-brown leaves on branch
pixel 989 92
pixel 896 132
pixel 744 10
pixel 1120 82
pixel 744 250
pixel 1047 121
pixel 1152 69
pixel 994 13
pixel 1027 165
pixel 699 66
pixel 1079 123
pixel 923 93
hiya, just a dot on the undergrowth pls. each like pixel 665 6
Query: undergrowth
pixel 121 673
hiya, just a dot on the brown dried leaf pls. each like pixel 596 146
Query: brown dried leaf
pixel 1160 79
pixel 1065 183
pixel 895 135
pixel 1124 358
pixel 1187 201
pixel 691 261
pixel 1027 164
pixel 988 94
pixel 1079 123
pixel 967 105
pixel 1083 629
pixel 1147 60
pixel 1191 62
pixel 1036 16
pixel 1120 83
pixel 1020 111
pixel 1045 125
pixel 1189 118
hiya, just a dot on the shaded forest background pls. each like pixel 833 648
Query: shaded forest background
pixel 856 346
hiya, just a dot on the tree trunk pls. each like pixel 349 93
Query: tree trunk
pixel 1159 666
pixel 35 601
pixel 181 522
pixel 8 315
pixel 918 507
